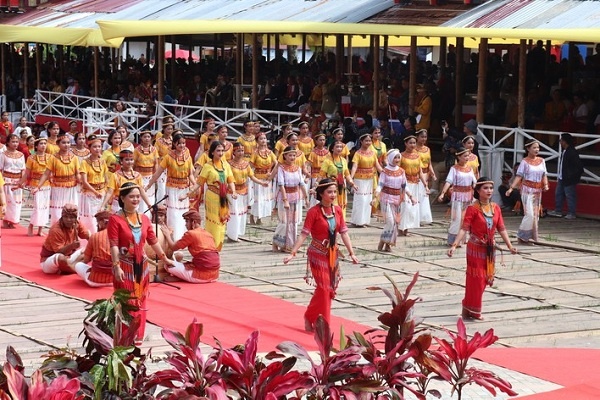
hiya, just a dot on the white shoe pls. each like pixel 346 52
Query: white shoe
pixel 553 213
pixel 570 216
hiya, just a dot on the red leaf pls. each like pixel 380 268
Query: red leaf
pixel 193 333
pixel 15 381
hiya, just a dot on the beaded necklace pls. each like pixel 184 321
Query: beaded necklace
pixel 95 164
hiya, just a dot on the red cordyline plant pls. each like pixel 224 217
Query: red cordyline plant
pixel 455 356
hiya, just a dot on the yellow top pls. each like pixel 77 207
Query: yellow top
pixel 473 162
pixel 300 159
pixel 241 173
pixel 203 159
pixel 211 176
pixel 144 161
pixel 425 154
pixel 380 149
pixel 412 165
pixel 51 147
pixel 117 179
pixel 96 173
pixel 280 146
pixel 163 146
pixel 249 144
pixel 263 163
pixel 316 158
pixel 306 145
pixel 365 160
pixel 64 170
pixel 37 165
pixel 179 169
pixel 332 168
pixel 111 157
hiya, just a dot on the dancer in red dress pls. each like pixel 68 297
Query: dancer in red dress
pixel 482 219
pixel 128 231
pixel 323 222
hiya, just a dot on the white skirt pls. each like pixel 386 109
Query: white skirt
pixel 238 209
pixel 59 196
pixel 40 215
pixel 411 216
pixel 424 205
pixel 90 205
pixel 161 185
pixel 263 201
pixel 150 192
pixel 175 210
pixel 361 202
pixel 457 213
pixel 14 201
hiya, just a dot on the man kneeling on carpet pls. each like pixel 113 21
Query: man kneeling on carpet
pixel 98 252
pixel 205 263
pixel 59 250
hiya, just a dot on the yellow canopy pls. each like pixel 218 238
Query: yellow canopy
pixel 116 29
pixel 57 35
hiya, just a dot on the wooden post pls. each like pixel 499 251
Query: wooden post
pixel 323 44
pixel 256 51
pixel 113 62
pixel 443 51
pixel 96 72
pixel 412 82
pixel 277 44
pixel 522 88
pixel 339 57
pixel 349 54
pixel 386 39
pixel 25 72
pixel 482 76
pixel 215 47
pixel 38 65
pixel 268 47
pixel 376 75
pixel 3 67
pixel 60 66
pixel 304 48
pixel 148 58
pixel 239 69
pixel 459 82
pixel 160 60
pixel 173 61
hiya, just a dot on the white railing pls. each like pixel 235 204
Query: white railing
pixel 507 144
pixel 2 102
pixel 98 117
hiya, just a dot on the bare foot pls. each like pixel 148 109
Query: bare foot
pixel 258 221
pixel 30 230
pixel 275 249
pixel 387 248
pixel 380 246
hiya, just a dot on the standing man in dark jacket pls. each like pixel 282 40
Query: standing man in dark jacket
pixel 569 173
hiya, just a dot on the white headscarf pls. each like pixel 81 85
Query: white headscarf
pixel 390 159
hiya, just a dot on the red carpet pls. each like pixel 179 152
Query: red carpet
pixel 228 313
pixel 590 391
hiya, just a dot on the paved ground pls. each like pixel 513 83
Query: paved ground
pixel 545 297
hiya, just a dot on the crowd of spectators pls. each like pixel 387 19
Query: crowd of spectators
pixel 561 96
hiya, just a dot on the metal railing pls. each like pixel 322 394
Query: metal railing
pixel 507 144
pixel 98 115
pixel 502 146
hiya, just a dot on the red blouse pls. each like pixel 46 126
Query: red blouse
pixel 120 235
pixel 475 223
pixel 316 224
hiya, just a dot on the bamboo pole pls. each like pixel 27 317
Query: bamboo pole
pixel 160 59
pixel 96 72
pixel 412 83
pixel 459 81
pixel 38 65
pixel 173 61
pixel 304 48
pixel 256 51
pixel 522 88
pixel 482 76
pixel 443 52
pixel 376 75
pixel 25 70
pixel 3 68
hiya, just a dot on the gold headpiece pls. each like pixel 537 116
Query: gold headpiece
pixel 532 141
pixel 406 139
pixel 463 151
pixel 483 183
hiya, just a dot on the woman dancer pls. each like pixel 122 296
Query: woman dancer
pixel 305 142
pixel 111 155
pixel 533 178
pixel 391 191
pixel 81 146
pixel 216 174
pixel 462 179
pixel 323 223
pixel 12 165
pixel 473 161
pixel 64 167
pixel 364 166
pixel 128 231
pixel 425 155
pixel 315 159
pixel 413 168
pixel 264 163
pixel 53 130
pixel 335 167
pixel 145 161
pixel 338 136
pixel 164 145
pixel 301 162
pixel 34 169
pixel 282 142
pixel 248 140
pixel 202 137
pixel 236 226
pixel 222 133
pixel 379 147
pixel 291 191
pixel 94 179
pixel 179 168
pixel 482 219
pixel 116 180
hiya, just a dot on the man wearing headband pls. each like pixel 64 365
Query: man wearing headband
pixel 97 251
pixel 59 250
pixel 205 263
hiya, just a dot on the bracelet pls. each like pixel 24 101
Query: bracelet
pixel 116 264
pixel 293 254
pixel 453 245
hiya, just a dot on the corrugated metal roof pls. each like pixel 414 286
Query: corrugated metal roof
pixel 420 13
pixel 84 14
pixel 531 14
